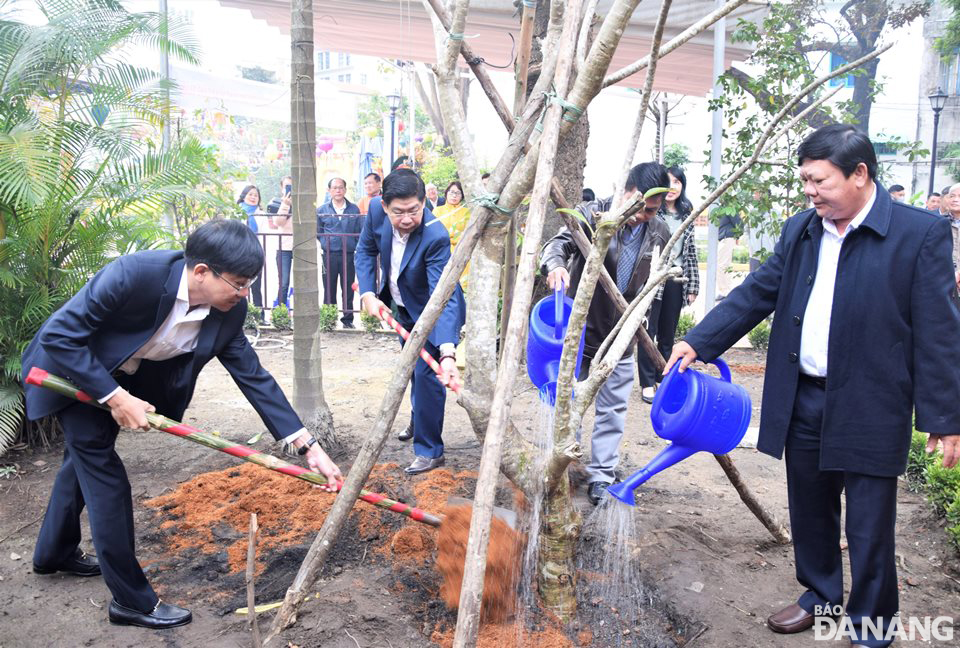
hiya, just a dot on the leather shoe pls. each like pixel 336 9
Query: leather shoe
pixel 790 620
pixel 596 490
pixel 163 616
pixel 79 564
pixel 407 433
pixel 423 464
pixel 647 394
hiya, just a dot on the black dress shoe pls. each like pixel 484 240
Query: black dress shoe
pixel 596 490
pixel 407 433
pixel 163 616
pixel 423 464
pixel 79 564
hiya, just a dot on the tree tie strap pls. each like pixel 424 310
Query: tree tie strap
pixel 571 111
pixel 489 200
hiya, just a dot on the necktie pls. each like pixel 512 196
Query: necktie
pixel 628 257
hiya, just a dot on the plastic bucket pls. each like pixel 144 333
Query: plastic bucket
pixel 545 343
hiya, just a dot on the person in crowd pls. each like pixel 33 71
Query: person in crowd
pixel 933 203
pixel 589 195
pixel 280 217
pixel 413 248
pixel 897 192
pixel 371 189
pixel 944 209
pixel 453 213
pixel 135 338
pixel 434 199
pixel 674 295
pixel 728 231
pixel 857 265
pixel 628 261
pixel 484 178
pixel 953 213
pixel 249 203
pixel 338 227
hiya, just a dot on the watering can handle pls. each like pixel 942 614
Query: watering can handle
pixel 724 369
pixel 558 311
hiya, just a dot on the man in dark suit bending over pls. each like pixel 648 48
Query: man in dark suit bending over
pixel 865 335
pixel 135 338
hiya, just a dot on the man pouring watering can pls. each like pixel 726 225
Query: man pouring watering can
pixel 865 335
pixel 135 338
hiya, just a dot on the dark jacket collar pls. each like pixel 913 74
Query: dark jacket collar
pixel 878 218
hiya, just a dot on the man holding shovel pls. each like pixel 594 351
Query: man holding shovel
pixel 864 338
pixel 135 338
pixel 413 248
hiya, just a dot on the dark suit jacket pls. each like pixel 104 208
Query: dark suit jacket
pixel 329 222
pixel 115 314
pixel 894 333
pixel 425 257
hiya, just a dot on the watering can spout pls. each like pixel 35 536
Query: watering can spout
pixel 668 456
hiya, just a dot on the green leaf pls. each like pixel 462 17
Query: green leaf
pixel 579 216
pixel 655 191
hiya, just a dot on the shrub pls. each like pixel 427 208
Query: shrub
pixel 280 318
pixel 371 324
pixel 328 317
pixel 686 322
pixel 941 485
pixel 254 317
pixel 760 336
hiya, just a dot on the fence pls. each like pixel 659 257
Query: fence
pixel 266 290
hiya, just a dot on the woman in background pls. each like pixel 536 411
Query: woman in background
pixel 249 203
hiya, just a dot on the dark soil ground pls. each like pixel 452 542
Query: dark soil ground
pixel 710 573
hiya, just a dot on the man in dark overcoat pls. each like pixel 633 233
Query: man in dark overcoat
pixel 865 336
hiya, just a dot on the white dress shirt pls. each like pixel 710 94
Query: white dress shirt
pixel 398 245
pixel 177 335
pixel 815 334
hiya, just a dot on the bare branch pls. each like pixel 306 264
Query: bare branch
pixel 644 99
pixel 693 30
pixel 589 15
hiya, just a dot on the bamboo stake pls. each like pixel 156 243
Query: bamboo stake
pixel 42 378
pixel 471 593
pixel 523 61
pixel 251 595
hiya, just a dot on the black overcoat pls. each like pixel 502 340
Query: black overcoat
pixel 894 345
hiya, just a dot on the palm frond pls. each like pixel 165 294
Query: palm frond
pixel 11 414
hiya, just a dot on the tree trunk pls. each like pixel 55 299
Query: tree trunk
pixel 560 525
pixel 308 399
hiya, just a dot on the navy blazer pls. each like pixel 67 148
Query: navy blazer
pixel 894 343
pixel 115 314
pixel 425 257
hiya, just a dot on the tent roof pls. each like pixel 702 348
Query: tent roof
pixel 401 29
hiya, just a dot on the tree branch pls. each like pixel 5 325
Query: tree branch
pixel 693 30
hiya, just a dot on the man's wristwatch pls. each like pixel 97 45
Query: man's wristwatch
pixel 302 450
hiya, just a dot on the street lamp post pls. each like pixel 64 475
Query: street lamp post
pixel 937 101
pixel 393 102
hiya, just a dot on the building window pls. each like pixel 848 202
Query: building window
pixel 363 79
pixel 837 61
pixel 343 78
pixel 323 60
pixel 950 73
pixel 343 59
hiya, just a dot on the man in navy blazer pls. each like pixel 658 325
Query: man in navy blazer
pixel 135 338
pixel 864 338
pixel 414 248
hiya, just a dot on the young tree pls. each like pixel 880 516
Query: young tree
pixel 308 397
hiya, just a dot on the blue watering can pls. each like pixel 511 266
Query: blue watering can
pixel 548 326
pixel 697 412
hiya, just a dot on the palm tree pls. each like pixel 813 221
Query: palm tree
pixel 80 180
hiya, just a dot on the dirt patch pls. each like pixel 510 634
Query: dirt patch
pixel 550 635
pixel 503 554
pixel 211 512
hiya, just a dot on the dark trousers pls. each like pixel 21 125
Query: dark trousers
pixel 427 399
pixel 814 498
pixel 256 291
pixel 93 475
pixel 284 261
pixel 338 268
pixel 662 328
